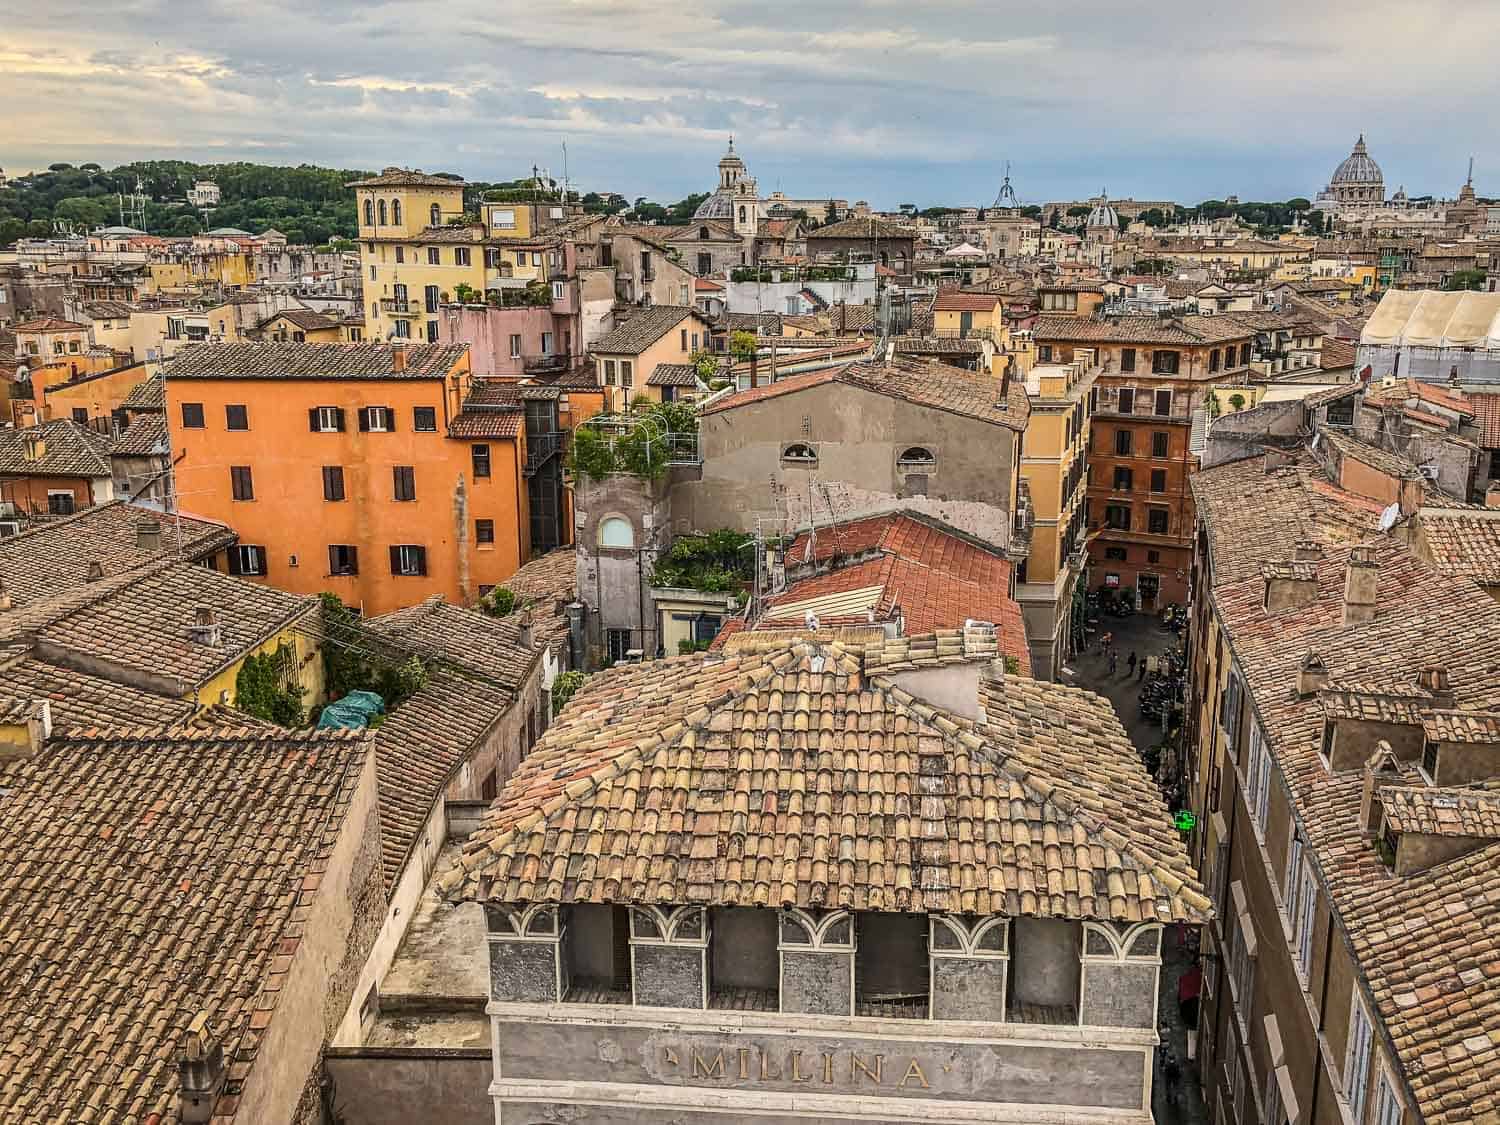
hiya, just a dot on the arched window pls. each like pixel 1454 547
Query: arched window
pixel 742 214
pixel 799 455
pixel 702 232
pixel 436 215
pixel 916 457
pixel 382 213
pixel 369 212
pixel 615 531
pixel 396 212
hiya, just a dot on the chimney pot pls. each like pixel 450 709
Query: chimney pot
pixel 148 535
pixel 398 357
pixel 200 1071
pixel 1361 586
pixel 1434 678
pixel 1312 676
pixel 1307 550
pixel 95 570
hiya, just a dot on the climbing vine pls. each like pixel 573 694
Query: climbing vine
pixel 264 687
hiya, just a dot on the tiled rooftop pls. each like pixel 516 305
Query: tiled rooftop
pixel 973 394
pixel 145 437
pixel 79 700
pixel 143 625
pixel 54 557
pixel 644 328
pixel 1453 725
pixel 1425 944
pixel 786 775
pixel 314 361
pixel 62 449
pixel 146 877
pixel 1465 543
pixel 1383 461
pixel 1442 812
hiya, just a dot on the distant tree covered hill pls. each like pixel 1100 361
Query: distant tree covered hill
pixel 306 203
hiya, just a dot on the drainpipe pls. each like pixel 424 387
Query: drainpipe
pixel 461 536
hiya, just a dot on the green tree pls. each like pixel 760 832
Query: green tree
pixel 682 210
pixel 564 688
pixel 742 346
pixel 264 687
pixel 88 213
pixel 1464 279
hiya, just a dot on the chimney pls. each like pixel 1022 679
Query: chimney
pixel 24 737
pixel 1307 550
pixel 1311 676
pixel 398 357
pixel 1433 679
pixel 205 629
pixel 1383 767
pixel 200 1071
pixel 1492 495
pixel 1361 585
pixel 5 600
pixel 148 535
pixel 95 571
pixel 1276 459
pixel 1289 585
pixel 524 624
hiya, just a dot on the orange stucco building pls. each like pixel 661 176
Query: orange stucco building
pixel 353 468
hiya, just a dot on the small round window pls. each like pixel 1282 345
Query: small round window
pixel 615 531
pixel 917 458
pixel 800 455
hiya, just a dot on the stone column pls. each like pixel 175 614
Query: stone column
pixel 970 963
pixel 526 961
pixel 817 963
pixel 669 956
pixel 1120 969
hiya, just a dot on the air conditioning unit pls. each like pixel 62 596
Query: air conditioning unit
pixel 9 528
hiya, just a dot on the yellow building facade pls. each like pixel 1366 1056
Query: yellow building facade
pixel 418 245
pixel 1054 468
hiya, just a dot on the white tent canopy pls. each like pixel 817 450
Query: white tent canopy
pixel 1426 319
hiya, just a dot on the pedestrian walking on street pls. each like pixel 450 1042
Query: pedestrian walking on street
pixel 1140 672
pixel 1107 640
pixel 1130 664
pixel 1114 657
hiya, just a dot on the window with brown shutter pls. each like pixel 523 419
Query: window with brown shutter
pixel 241 486
pixel 405 482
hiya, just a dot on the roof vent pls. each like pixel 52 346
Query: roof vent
pixel 148 535
pixel 1311 676
pixel 398 358
pixel 95 571
pixel 1361 586
pixel 1307 550
pixel 200 1071
pixel 205 629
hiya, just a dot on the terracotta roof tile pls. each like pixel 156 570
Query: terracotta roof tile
pixel 64 449
pixel 1487 414
pixel 405 177
pixel 313 361
pixel 643 329
pixel 781 756
pixel 121 852
pixel 1464 542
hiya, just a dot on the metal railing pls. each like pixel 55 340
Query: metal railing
pixel 542 447
pixel 554 361
pixel 397 305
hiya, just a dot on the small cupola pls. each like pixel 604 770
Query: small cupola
pixel 1312 675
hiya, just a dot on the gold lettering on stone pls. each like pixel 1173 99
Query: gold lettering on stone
pixel 669 1056
pixel 827 1069
pixel 744 1062
pixel 715 1069
pixel 914 1071
pixel 873 1075
pixel 797 1075
pixel 767 1071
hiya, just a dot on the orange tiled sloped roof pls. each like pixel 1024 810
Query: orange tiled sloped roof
pixel 147 876
pixel 785 775
pixel 937 577
pixel 1462 543
pixel 1486 409
pixel 1414 934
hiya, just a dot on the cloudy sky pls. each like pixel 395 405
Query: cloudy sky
pixel 921 100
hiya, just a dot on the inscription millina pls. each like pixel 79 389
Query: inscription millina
pixel 825 1068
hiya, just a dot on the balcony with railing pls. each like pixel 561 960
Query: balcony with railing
pixel 397 305
pixel 549 363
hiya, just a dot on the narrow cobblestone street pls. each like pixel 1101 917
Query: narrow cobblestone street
pixel 1179 1102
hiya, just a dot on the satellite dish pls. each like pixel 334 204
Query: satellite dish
pixel 1389 517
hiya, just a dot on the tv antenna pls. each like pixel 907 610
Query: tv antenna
pixel 133 207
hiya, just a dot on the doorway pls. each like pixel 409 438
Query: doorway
pixel 1148 587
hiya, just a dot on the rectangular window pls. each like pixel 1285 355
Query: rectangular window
pixel 609 373
pixel 1127 400
pixel 405 477
pixel 325 419
pixel 424 419
pixel 481 458
pixel 1044 353
pixel 81 415
pixel 245 559
pixel 1163 403
pixel 1160 440
pixel 343 560
pixel 557 291
pixel 240 484
pixel 617 643
pixel 520 257
pixel 430 298
pixel 1165 363
pixel 377 419
pixel 504 218
pixel 408 560
pixel 1117 516
pixel 1116 554
pixel 1127 359
pixel 1275 1110
pixel 460 255
pixel 1158 480
pixel 1213 359
pixel 1153 556
pixel 1387 1104
pixel 1357 1065
pixel 433 257
pixel 484 532
pixel 1158 520
pixel 515 345
pixel 627 377
pixel 1307 913
pixel 1260 765
pixel 1123 479
pixel 1122 443
pixel 491 258
pixel 401 329
pixel 432 331
pixel 60 503
pixel 400 254
pixel 333 482
pixel 546 343
pixel 236 418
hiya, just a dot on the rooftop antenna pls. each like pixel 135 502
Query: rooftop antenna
pixel 565 172
pixel 1470 181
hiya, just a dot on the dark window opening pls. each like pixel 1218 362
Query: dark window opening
pixel 236 417
pixel 192 416
pixel 343 559
pixel 424 419
pixel 405 480
pixel 481 459
pixel 241 486
pixel 333 482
